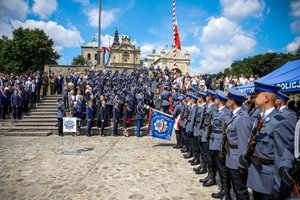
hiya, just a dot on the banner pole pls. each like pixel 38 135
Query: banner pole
pixel 161 112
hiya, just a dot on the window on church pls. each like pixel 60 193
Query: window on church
pixel 125 56
pixel 89 56
pixel 96 56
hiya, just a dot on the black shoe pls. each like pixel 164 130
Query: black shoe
pixel 203 180
pixel 195 169
pixel 226 197
pixel 217 195
pixel 195 162
pixel 184 150
pixel 201 171
pixel 177 146
pixel 188 155
pixel 209 183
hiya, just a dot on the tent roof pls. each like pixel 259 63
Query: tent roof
pixel 287 77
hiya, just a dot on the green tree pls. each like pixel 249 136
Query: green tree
pixel 79 60
pixel 28 50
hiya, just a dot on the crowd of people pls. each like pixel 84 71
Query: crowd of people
pixel 213 128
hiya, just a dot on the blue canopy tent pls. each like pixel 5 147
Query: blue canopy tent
pixel 287 77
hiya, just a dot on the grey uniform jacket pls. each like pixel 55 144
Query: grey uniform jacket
pixel 199 117
pixel 276 134
pixel 211 109
pixel 191 119
pixel 238 132
pixel 222 116
pixel 177 110
pixel 185 114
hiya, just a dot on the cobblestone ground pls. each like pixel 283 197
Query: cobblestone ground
pixel 107 168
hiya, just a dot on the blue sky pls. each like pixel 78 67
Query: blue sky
pixel 215 32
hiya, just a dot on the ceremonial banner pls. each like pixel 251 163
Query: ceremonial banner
pixel 69 124
pixel 160 125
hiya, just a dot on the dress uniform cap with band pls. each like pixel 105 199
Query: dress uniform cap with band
pixel 261 87
pixel 202 95
pixel 221 95
pixel 210 93
pixel 236 95
pixel 181 97
pixel 282 97
pixel 192 96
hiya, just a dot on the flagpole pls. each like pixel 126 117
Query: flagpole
pixel 161 112
pixel 99 34
pixel 174 43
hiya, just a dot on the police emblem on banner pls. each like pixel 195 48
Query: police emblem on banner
pixel 69 124
pixel 161 125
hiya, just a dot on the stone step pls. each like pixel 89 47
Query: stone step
pixel 49 101
pixel 38 119
pixel 35 116
pixel 52 97
pixel 52 113
pixel 35 124
pixel 33 129
pixel 47 104
pixel 47 107
pixel 29 133
pixel 44 110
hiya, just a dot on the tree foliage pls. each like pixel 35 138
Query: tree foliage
pixel 28 50
pixel 79 60
pixel 260 65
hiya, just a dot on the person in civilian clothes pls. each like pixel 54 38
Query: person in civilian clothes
pixel 4 103
pixel 221 118
pixel 14 104
pixel 177 112
pixel 33 93
pixel 139 117
pixel 79 100
pixel 127 118
pixel 102 117
pixel 211 110
pixel 76 112
pixel 60 115
pixel 115 118
pixel 89 119
pixel 277 133
pixel 197 131
pixel 26 99
pixel 59 80
pixel 20 104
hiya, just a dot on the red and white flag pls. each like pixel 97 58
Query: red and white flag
pixel 176 35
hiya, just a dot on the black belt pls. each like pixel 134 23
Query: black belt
pixel 256 160
pixel 232 146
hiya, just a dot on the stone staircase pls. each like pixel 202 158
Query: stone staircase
pixel 43 122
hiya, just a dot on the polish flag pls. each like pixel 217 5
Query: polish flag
pixel 176 35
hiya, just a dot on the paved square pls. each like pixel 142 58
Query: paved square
pixel 107 168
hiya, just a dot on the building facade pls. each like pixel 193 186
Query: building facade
pixel 165 59
pixel 90 53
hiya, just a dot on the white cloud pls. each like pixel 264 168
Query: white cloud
pixel 193 50
pixel 147 48
pixel 295 26
pixel 5 29
pixel 44 8
pixel 238 9
pixel 63 37
pixel 107 40
pixel 107 17
pixel 16 9
pixel 223 41
pixel 293 46
pixel 295 6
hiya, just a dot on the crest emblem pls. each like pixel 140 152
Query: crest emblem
pixel 160 125
pixel 69 124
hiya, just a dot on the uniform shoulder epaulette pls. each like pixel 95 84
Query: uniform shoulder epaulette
pixel 279 117
pixel 241 113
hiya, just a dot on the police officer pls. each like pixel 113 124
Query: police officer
pixel 176 115
pixel 219 122
pixel 284 111
pixel 237 132
pixel 89 118
pixel 102 117
pixel 184 116
pixel 276 134
pixel 197 132
pixel 209 115
pixel 60 115
pixel 165 99
pixel 115 118
pixel 190 127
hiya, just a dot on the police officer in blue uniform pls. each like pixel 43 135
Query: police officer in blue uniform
pixel 237 132
pixel 184 117
pixel 221 118
pixel 276 134
pixel 115 118
pixel 209 115
pixel 165 101
pixel 197 132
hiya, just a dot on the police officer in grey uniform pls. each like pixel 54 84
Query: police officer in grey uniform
pixel 197 134
pixel 165 102
pixel 209 115
pixel 190 127
pixel 177 112
pixel 238 132
pixel 276 134
pixel 284 111
pixel 219 121
pixel 184 117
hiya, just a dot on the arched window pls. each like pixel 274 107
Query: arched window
pixel 96 56
pixel 89 56
pixel 125 56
